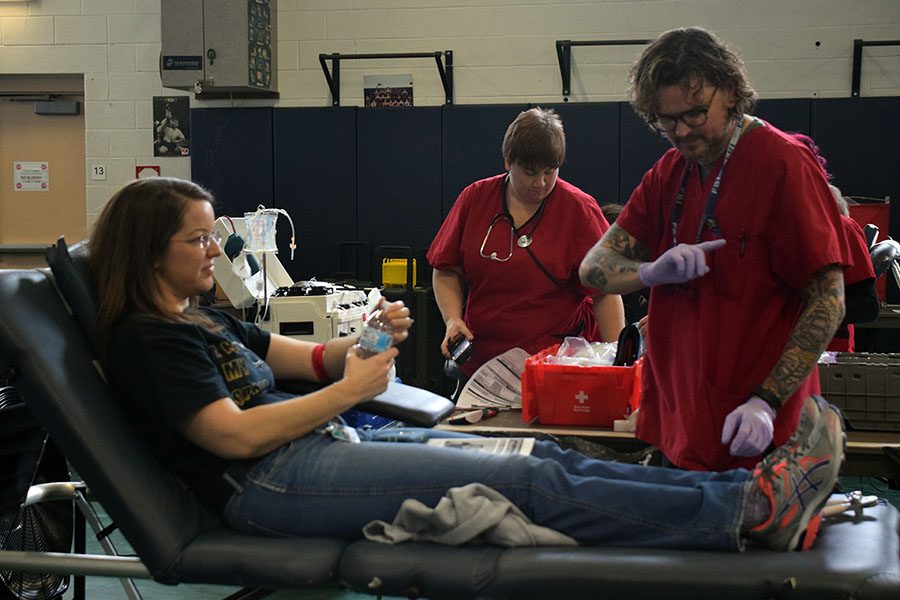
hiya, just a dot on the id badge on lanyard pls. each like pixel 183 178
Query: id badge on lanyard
pixel 709 214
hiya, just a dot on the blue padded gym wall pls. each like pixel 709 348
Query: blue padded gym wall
pixel 859 138
pixel 231 156
pixel 315 181
pixel 592 147
pixel 472 137
pixel 639 148
pixel 793 114
pixel 398 177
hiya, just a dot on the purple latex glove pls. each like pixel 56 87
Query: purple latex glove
pixel 754 423
pixel 682 263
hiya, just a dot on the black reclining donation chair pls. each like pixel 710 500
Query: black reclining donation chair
pixel 177 541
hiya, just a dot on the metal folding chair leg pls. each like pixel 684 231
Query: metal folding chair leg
pixel 76 492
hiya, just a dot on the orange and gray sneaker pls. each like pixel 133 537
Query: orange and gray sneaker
pixel 798 477
pixel 813 407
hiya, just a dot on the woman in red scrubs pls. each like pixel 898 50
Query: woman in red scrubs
pixel 506 258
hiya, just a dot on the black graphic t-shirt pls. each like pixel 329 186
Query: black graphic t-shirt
pixel 163 372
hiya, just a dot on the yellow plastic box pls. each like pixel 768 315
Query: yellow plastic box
pixel 393 272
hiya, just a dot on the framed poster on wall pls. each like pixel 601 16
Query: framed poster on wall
pixel 387 90
pixel 171 126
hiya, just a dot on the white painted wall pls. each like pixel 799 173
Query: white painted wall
pixel 504 51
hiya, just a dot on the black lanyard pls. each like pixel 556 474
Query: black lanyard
pixel 709 215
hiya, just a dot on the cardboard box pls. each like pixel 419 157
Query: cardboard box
pixel 572 395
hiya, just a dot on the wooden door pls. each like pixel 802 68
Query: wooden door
pixel 38 218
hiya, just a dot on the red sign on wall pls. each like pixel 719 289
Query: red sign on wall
pixel 146 171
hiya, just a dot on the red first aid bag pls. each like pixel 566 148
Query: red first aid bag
pixel 575 395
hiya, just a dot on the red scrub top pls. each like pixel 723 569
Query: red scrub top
pixel 513 303
pixel 716 338
pixel 860 269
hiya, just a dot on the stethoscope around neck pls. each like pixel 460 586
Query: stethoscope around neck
pixel 523 240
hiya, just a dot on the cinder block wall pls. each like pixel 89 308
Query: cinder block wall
pixel 503 52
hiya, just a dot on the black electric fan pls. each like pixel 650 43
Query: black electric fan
pixel 29 457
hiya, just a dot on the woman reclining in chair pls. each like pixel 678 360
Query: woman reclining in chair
pixel 200 386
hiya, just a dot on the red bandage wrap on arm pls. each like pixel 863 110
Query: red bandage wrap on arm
pixel 318 364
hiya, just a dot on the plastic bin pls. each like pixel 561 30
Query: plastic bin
pixel 866 387
pixel 572 395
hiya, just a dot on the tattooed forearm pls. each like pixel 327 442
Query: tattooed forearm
pixel 612 264
pixel 594 277
pixel 618 240
pixel 814 329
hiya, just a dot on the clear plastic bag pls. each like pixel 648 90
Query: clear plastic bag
pixel 577 351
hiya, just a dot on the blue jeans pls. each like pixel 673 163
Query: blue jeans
pixel 318 486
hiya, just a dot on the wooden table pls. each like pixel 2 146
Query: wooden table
pixel 865 449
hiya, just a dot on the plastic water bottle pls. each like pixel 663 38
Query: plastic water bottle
pixel 376 336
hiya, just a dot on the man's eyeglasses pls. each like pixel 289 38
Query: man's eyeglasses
pixel 203 241
pixel 694 117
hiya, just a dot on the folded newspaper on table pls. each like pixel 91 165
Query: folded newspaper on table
pixel 513 445
pixel 497 383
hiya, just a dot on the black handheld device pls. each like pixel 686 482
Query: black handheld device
pixel 460 349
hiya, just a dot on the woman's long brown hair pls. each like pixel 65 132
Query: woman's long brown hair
pixel 129 241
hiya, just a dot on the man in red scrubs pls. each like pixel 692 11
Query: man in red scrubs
pixel 736 232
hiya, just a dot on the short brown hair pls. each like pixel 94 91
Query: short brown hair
pixel 129 240
pixel 611 211
pixel 535 140
pixel 687 57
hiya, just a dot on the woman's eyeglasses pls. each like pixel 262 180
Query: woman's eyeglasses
pixel 203 241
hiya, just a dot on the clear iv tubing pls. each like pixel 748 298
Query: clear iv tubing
pixel 293 244
pixel 264 313
pixel 260 210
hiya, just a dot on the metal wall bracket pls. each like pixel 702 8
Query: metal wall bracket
pixel 858 46
pixel 333 76
pixel 564 55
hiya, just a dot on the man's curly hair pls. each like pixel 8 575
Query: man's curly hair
pixel 691 57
